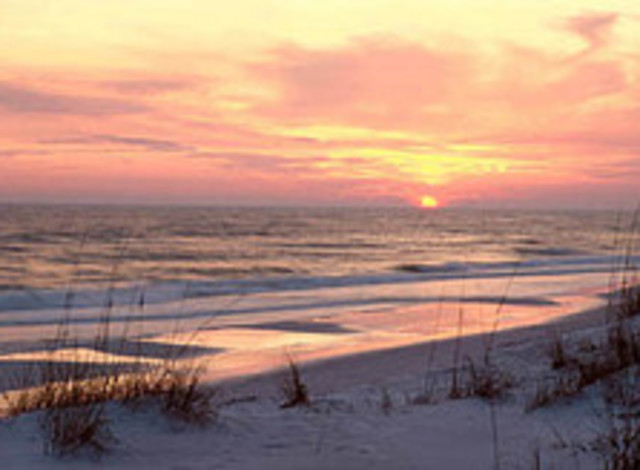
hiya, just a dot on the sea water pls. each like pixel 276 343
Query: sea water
pixel 315 272
pixel 57 247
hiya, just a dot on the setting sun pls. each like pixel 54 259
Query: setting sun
pixel 429 202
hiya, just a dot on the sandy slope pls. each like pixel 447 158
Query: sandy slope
pixel 362 418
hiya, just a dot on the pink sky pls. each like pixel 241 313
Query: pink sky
pixel 534 104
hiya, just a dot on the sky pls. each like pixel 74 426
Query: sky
pixel 481 103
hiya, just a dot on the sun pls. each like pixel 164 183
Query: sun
pixel 429 202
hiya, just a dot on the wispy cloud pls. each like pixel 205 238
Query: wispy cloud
pixel 152 85
pixel 372 81
pixel 22 100
pixel 594 28
pixel 147 143
pixel 13 153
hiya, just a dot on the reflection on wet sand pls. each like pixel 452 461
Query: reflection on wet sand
pixel 254 334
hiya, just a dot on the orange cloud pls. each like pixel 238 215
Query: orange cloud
pixel 372 119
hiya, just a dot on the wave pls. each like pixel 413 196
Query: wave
pixel 430 268
pixel 195 312
pixel 176 291
pixel 332 246
pixel 26 238
pixel 609 262
pixel 550 251
pixel 12 249
pixel 218 272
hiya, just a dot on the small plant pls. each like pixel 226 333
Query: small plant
pixel 487 380
pixel 557 353
pixel 428 395
pixel 73 408
pixel 596 362
pixel 619 443
pixel 551 390
pixel 629 305
pixel 386 402
pixel 455 390
pixel 293 388
pixel 484 381
pixel 537 459
pixel 73 429
pixel 185 398
pixel 622 342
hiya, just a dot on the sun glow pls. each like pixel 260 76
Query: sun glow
pixel 429 202
pixel 383 105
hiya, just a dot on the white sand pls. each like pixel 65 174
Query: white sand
pixel 348 427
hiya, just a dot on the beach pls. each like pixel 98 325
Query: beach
pixel 377 351
pixel 367 411
pixel 319 235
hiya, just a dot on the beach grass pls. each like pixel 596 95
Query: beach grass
pixel 72 396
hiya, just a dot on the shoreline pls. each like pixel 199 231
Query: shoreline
pixel 335 374
pixel 365 413
pixel 380 385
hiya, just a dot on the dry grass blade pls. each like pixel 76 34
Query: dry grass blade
pixel 73 429
pixel 73 408
pixel 295 391
pixel 185 398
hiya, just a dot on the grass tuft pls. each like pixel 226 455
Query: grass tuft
pixel 294 390
pixel 487 380
pixel 484 380
pixel 69 430
pixel 557 353
pixel 619 442
pixel 184 397
pixel 73 406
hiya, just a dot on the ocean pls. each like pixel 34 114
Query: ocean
pixel 64 247
pixel 293 276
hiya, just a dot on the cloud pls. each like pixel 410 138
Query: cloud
pixel 262 163
pixel 151 144
pixel 19 99
pixel 11 153
pixel 594 28
pixel 434 91
pixel 376 117
pixel 145 143
pixel 371 80
pixel 587 81
pixel 151 86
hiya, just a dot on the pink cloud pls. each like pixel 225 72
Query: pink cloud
pixel 374 80
pixel 152 85
pixel 396 85
pixel 594 28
